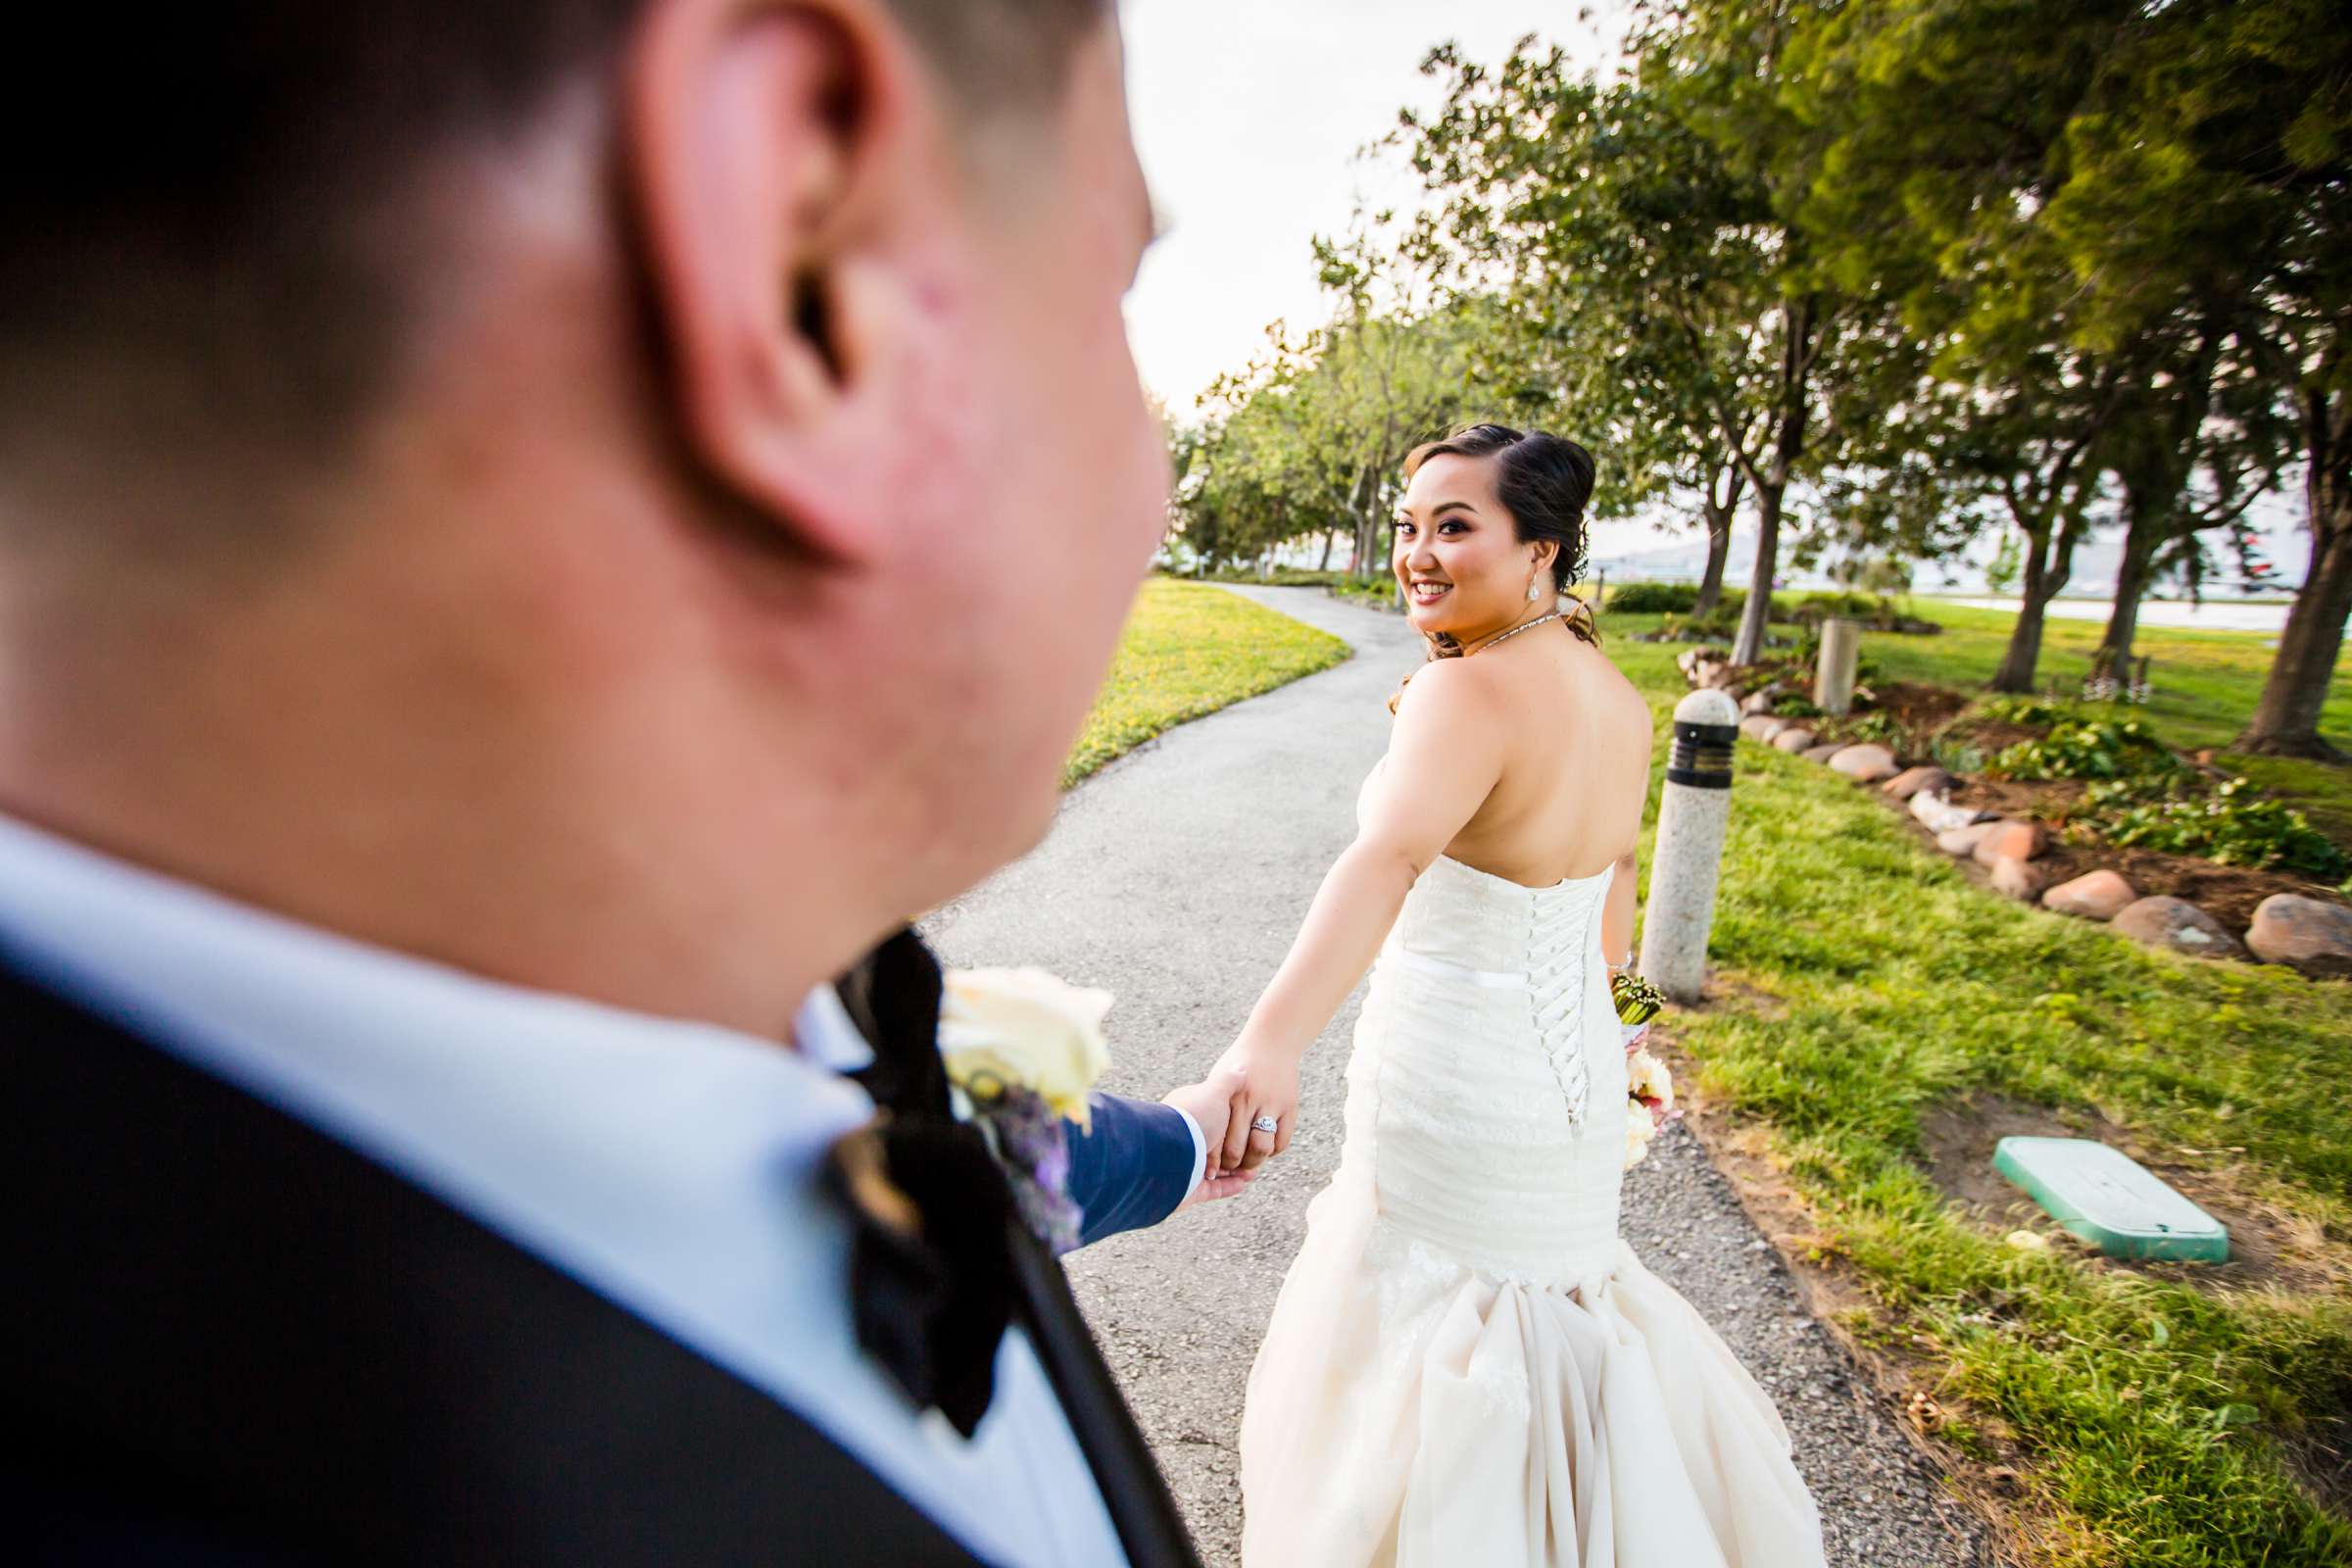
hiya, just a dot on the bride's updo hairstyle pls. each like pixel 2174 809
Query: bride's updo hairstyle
pixel 1543 481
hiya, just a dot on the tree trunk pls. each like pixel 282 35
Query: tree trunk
pixel 1788 443
pixel 1331 537
pixel 1719 548
pixel 2016 673
pixel 2286 717
pixel 1367 522
pixel 2144 533
pixel 1749 646
pixel 2049 562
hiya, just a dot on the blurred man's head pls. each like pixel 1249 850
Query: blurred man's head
pixel 530 480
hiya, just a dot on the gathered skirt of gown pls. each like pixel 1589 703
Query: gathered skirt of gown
pixel 1467 1367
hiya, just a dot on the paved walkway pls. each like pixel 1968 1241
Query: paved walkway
pixel 1176 878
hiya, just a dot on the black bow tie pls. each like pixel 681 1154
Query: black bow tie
pixel 931 1271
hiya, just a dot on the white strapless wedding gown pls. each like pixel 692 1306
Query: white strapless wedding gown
pixel 1466 1367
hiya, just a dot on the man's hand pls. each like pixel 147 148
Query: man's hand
pixel 1211 1103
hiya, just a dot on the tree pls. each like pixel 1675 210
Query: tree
pixel 2213 160
pixel 2196 444
pixel 1956 137
pixel 1628 219
pixel 1311 439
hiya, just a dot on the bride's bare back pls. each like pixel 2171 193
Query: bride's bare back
pixel 1575 771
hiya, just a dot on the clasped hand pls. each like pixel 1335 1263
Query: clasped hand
pixel 1262 1089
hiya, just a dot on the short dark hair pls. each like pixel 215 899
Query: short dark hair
pixel 230 250
pixel 1543 481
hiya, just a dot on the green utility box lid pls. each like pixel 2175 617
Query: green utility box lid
pixel 2110 1200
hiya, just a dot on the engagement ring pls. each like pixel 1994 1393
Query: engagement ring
pixel 1267 1124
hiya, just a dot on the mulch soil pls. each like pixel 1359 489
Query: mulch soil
pixel 2227 893
pixel 1920 710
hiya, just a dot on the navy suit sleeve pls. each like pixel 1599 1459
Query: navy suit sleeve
pixel 1132 1169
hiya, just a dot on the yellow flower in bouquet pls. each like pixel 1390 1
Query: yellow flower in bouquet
pixel 1005 1029
pixel 1636 1000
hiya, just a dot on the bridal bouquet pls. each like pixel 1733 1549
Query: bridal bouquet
pixel 1022 1048
pixel 1648 1086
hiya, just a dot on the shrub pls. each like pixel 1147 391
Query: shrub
pixel 2232 826
pixel 2091 749
pixel 1279 578
pixel 1668 598
pixel 1793 706
pixel 2024 710
pixel 1960 759
pixel 1814 609
pixel 1379 592
pixel 1720 627
pixel 1884 728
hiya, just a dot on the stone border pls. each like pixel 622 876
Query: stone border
pixel 2307 935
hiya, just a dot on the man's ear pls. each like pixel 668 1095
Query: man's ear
pixel 760 143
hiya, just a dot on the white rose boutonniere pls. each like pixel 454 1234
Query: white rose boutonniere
pixel 1024 1048
pixel 1003 1029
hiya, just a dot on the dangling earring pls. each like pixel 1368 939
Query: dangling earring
pixel 1534 592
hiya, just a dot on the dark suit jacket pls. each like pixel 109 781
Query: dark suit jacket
pixel 232 1339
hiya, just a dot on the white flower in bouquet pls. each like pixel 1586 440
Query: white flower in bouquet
pixel 1640 1128
pixel 1005 1029
pixel 1647 1080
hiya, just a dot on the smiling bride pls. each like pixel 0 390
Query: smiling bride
pixel 1466 1365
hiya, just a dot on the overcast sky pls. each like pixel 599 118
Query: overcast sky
pixel 1248 114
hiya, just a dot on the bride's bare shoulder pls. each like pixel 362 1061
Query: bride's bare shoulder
pixel 1610 695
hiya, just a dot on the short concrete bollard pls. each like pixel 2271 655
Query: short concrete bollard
pixel 1687 860
pixel 1833 680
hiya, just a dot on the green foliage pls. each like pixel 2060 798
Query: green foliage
pixel 2024 710
pixel 1380 593
pixel 1960 759
pixel 2232 826
pixel 1796 707
pixel 1279 578
pixel 1189 650
pixel 1884 728
pixel 2007 564
pixel 1668 598
pixel 1311 439
pixel 2089 748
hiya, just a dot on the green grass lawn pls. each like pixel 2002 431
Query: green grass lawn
pixel 1191 649
pixel 1867 983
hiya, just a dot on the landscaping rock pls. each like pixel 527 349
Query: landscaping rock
pixel 1760 700
pixel 1795 738
pixel 2094 896
pixel 2180 925
pixel 2022 880
pixel 1963 840
pixel 2012 841
pixel 1762 727
pixel 2305 933
pixel 1916 780
pixel 1822 753
pixel 1937 814
pixel 1865 764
